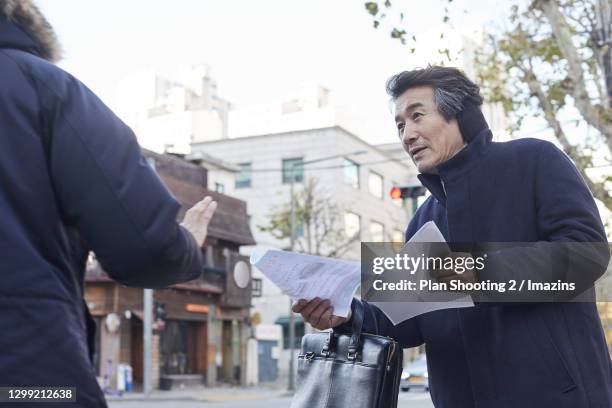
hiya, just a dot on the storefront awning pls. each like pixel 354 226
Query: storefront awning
pixel 284 320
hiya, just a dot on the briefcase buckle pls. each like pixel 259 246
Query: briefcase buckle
pixel 328 344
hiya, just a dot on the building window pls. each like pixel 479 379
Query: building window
pixel 299 227
pixel 297 167
pixel 375 185
pixel 377 232
pixel 243 177
pixel 219 188
pixel 351 173
pixel 352 224
pixel 299 330
pixel 256 289
pixel 398 236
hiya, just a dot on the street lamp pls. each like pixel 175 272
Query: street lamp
pixel 291 385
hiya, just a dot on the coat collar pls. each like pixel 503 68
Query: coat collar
pixel 456 166
pixel 11 36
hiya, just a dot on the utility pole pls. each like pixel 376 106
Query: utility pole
pixel 147 332
pixel 147 328
pixel 291 385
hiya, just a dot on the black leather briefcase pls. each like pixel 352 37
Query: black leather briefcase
pixel 359 370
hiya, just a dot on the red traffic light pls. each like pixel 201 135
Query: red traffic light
pixel 396 193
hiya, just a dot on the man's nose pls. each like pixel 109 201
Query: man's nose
pixel 409 136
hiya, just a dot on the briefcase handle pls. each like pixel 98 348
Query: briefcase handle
pixel 355 341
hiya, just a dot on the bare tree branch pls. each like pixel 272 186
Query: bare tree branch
pixel 596 115
pixel 579 158
pixel 320 219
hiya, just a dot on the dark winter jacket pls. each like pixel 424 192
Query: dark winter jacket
pixel 502 355
pixel 72 180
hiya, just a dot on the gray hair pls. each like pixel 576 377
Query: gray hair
pixel 452 88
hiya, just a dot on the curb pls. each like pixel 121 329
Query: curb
pixel 202 398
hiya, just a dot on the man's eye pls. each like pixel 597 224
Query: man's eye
pixel 400 126
pixel 416 115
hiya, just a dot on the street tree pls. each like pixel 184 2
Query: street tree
pixel 319 223
pixel 551 59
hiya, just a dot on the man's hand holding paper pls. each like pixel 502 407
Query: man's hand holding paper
pixel 319 313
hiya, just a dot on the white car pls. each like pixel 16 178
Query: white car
pixel 415 375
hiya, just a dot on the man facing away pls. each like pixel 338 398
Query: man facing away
pixel 72 179
pixel 523 354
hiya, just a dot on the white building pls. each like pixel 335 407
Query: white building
pixel 359 183
pixel 308 106
pixel 221 173
pixel 182 107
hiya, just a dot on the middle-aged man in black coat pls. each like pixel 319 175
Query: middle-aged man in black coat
pixel 72 179
pixel 523 354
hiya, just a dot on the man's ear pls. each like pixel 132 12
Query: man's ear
pixel 471 122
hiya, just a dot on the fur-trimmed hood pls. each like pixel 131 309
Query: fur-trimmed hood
pixel 23 26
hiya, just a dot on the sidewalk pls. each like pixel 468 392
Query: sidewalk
pixel 206 394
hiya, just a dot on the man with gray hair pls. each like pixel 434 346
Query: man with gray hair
pixel 522 354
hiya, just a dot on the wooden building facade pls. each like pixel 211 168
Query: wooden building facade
pixel 201 327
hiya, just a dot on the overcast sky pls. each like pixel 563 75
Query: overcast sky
pixel 257 49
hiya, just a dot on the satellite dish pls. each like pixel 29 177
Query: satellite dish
pixel 242 274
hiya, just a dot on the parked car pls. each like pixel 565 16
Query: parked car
pixel 415 375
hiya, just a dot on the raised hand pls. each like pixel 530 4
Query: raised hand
pixel 198 217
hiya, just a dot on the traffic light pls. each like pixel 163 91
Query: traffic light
pixel 396 193
pixel 404 192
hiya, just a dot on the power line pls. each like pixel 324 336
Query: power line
pixel 403 161
pixel 271 170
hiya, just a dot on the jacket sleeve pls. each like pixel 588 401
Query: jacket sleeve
pixel 572 245
pixel 407 333
pixel 104 186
